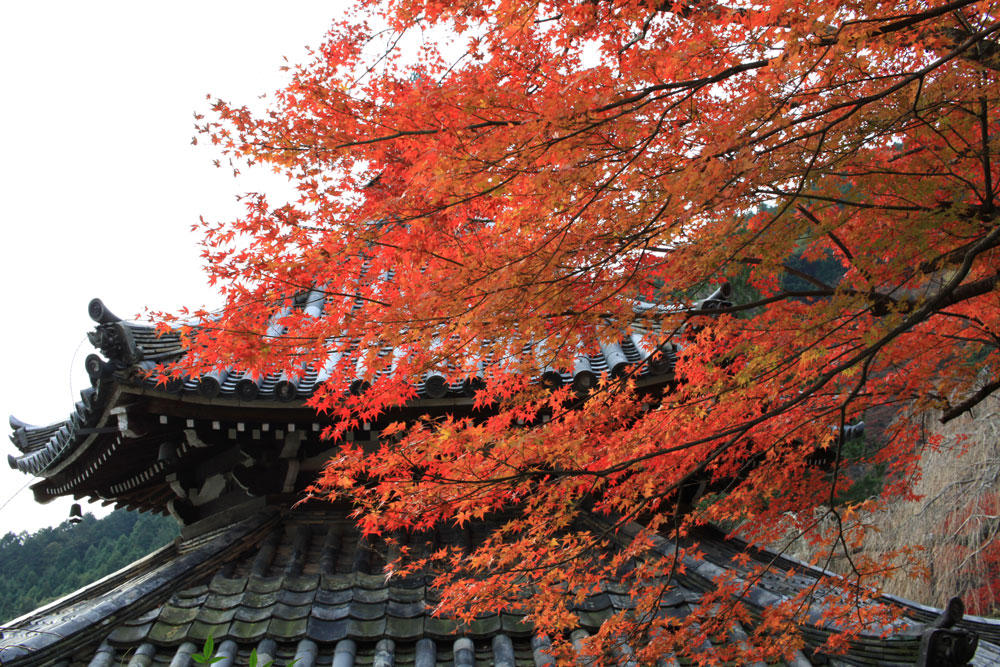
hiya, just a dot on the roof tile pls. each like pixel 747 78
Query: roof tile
pixel 406 609
pixel 253 614
pixel 130 634
pixel 365 612
pixel 404 629
pixel 291 612
pixel 371 596
pixel 335 582
pixel 513 624
pixel 177 615
pixel 437 627
pixel 366 629
pixel 258 584
pixel 326 631
pixel 215 616
pixel 334 597
pixel 481 628
pixel 257 600
pixel 331 612
pixel 300 583
pixel 200 631
pixel 287 630
pixel 407 594
pixel 249 630
pixel 219 601
pixel 165 633
pixel 226 586
pixel 295 598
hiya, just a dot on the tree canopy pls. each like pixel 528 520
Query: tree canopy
pixel 557 174
pixel 52 562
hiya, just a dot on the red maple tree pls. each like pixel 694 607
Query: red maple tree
pixel 538 170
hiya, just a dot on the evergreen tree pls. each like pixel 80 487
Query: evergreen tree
pixel 52 562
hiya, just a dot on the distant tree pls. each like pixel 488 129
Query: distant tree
pixel 42 566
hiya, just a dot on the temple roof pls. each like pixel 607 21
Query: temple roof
pixel 303 584
pixel 132 352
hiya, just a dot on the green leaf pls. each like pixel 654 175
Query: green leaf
pixel 253 661
pixel 206 656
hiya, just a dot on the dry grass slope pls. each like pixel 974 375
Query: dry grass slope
pixel 957 519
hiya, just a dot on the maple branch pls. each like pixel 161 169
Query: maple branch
pixel 688 9
pixel 791 270
pixel 840 201
pixel 833 237
pixel 987 54
pixel 972 401
pixel 853 106
pixel 700 82
pixel 954 256
pixel 641 35
pixel 841 439
pixel 967 291
pixel 881 304
pixel 984 131
pixel 946 296
pixel 914 19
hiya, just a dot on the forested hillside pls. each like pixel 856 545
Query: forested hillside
pixel 40 567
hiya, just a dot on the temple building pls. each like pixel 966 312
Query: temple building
pixel 229 456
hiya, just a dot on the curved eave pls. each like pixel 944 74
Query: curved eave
pixel 455 398
pixel 619 358
pixel 134 351
pixel 45 450
pixel 45 447
pixel 898 644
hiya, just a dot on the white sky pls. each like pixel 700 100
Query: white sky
pixel 100 184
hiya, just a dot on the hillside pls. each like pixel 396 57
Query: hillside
pixel 39 567
pixel 954 522
pixel 957 518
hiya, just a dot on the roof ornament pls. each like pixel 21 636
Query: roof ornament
pixel 584 379
pixel 248 388
pixel 944 645
pixel 720 298
pixel 435 385
pixel 113 338
pixel 100 313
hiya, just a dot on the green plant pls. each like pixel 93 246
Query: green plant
pixel 206 657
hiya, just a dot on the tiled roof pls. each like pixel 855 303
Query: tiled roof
pixel 303 585
pixel 41 445
pixel 131 350
pixel 128 345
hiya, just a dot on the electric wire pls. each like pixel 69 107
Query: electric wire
pixel 72 365
pixel 16 493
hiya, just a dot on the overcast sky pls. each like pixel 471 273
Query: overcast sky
pixel 100 183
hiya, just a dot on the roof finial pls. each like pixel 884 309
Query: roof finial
pixel 100 313
pixel 944 645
